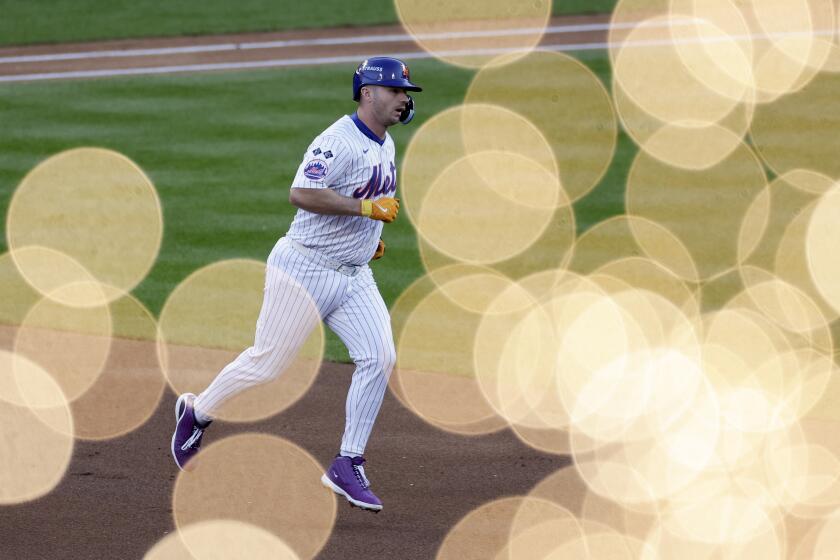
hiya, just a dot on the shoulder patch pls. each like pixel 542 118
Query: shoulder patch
pixel 316 151
pixel 328 154
pixel 315 170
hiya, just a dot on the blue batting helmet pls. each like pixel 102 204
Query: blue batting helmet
pixel 382 71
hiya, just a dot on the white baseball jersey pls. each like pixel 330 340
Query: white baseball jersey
pixel 350 159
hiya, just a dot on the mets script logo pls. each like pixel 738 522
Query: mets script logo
pixel 378 184
pixel 315 170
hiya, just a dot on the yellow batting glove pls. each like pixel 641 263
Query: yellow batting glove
pixel 380 250
pixel 382 209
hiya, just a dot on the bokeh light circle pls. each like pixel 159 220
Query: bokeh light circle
pixel 36 430
pixel 72 343
pixel 464 216
pixel 221 538
pixel 95 206
pixel 263 480
pixel 435 377
pixel 567 102
pixel 823 231
pixel 466 34
pixel 127 392
pixel 210 317
pixel 674 198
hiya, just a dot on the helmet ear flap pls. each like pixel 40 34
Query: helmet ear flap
pixel 408 112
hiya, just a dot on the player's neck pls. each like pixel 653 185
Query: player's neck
pixel 370 122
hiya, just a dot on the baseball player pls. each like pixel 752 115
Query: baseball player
pixel 345 190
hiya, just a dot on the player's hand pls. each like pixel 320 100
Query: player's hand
pixel 380 250
pixel 382 209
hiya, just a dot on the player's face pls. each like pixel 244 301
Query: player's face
pixel 388 104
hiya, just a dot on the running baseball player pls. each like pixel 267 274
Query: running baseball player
pixel 345 191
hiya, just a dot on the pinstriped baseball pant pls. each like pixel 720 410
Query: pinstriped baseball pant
pixel 351 307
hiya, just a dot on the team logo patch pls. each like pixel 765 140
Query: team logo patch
pixel 315 170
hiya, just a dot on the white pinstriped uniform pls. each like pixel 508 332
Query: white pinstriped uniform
pixel 349 158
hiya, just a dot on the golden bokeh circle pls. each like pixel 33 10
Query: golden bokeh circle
pixel 644 471
pixel 72 343
pixel 788 306
pixel 465 217
pixel 710 38
pixel 435 376
pixel 513 353
pixel 221 538
pixel 210 317
pixel 642 273
pixel 483 532
pixel 36 431
pixel 776 123
pixel 828 540
pixel 130 387
pixel 539 527
pixel 774 230
pixel 230 482
pixel 792 259
pixel 457 282
pixel 17 296
pixel 650 67
pixel 550 252
pixel 567 102
pixel 95 206
pixel 466 129
pixel 675 197
pixel 60 277
pixel 823 230
pixel 621 236
pixel 685 144
pixel 468 34
pixel 497 128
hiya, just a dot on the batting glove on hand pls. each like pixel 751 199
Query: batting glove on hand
pixel 380 250
pixel 383 209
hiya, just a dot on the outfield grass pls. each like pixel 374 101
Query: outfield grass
pixel 53 21
pixel 222 150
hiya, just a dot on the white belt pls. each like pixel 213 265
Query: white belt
pixel 320 258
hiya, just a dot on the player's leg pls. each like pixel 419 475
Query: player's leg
pixel 296 295
pixel 363 324
pixel 283 326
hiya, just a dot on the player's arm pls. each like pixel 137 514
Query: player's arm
pixel 327 201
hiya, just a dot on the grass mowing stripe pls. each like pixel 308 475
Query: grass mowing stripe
pixel 222 150
pixel 55 21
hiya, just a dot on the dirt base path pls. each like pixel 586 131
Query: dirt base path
pixel 116 498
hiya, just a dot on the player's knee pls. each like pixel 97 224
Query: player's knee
pixel 382 361
pixel 267 366
pixel 387 360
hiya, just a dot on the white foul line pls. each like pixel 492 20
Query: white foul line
pixel 281 62
pixel 324 41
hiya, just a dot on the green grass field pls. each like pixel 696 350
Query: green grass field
pixel 52 21
pixel 222 150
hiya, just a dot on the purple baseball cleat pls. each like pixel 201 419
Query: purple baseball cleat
pixel 187 437
pixel 346 476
